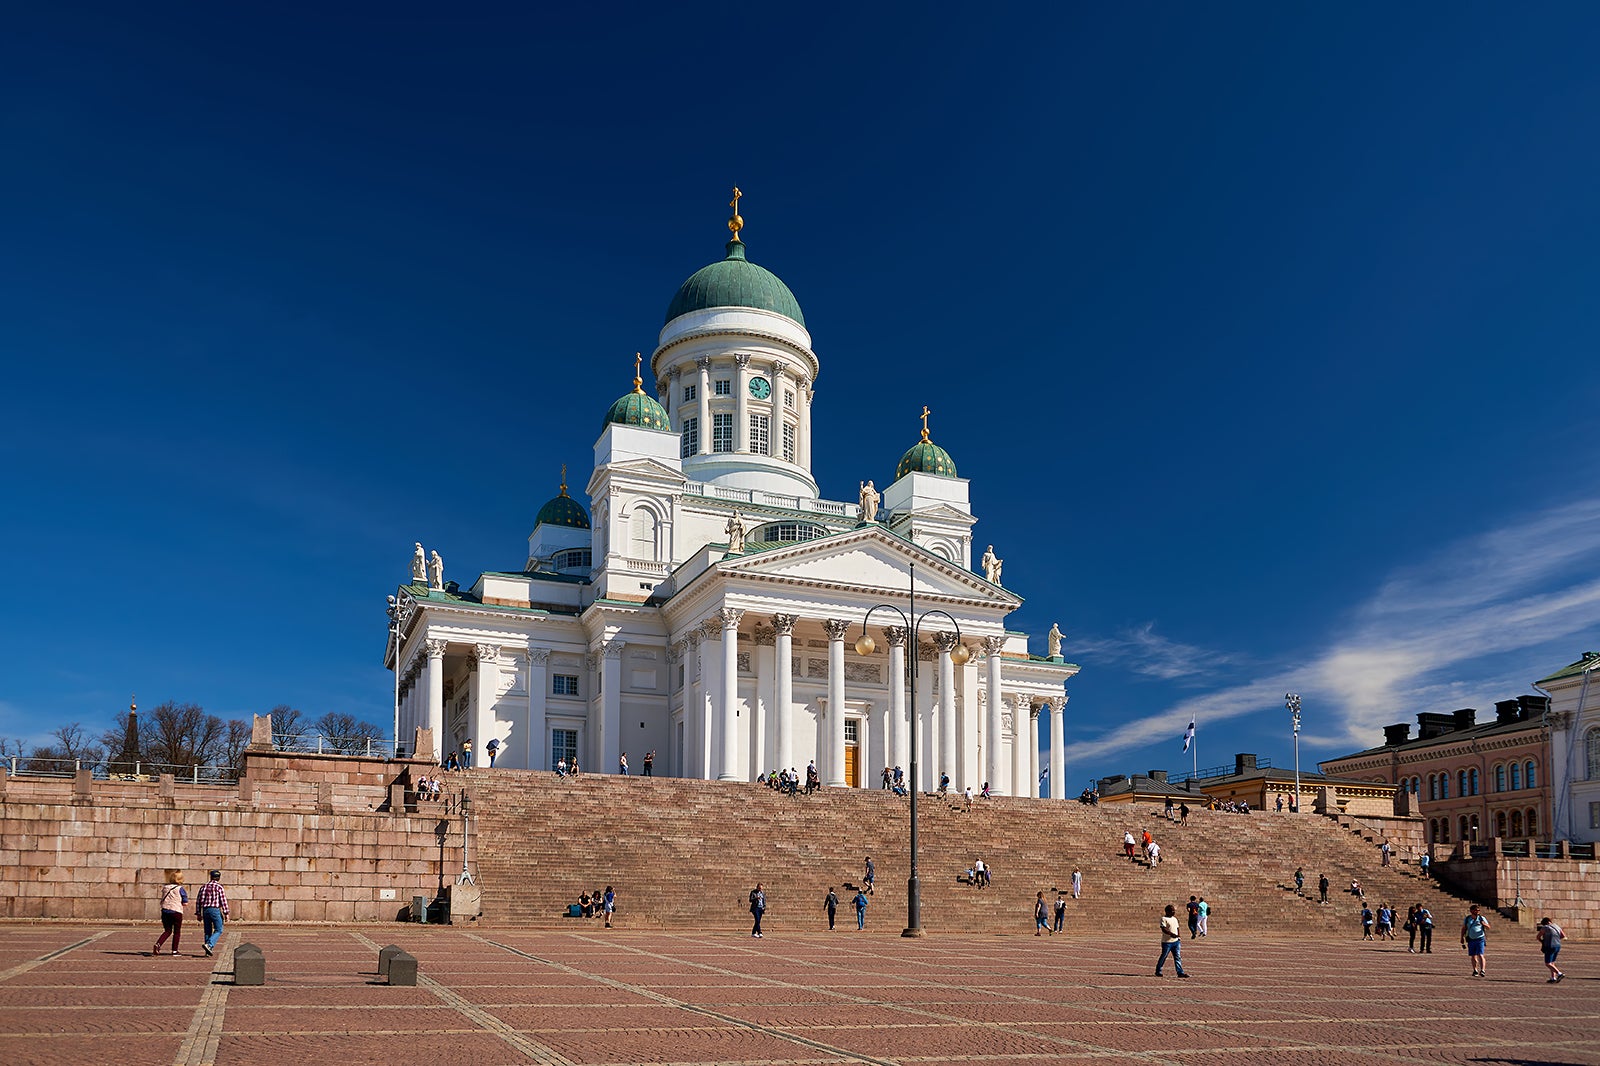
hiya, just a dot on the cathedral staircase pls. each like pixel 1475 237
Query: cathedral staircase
pixel 684 854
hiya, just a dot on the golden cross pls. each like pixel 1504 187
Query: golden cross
pixel 736 223
pixel 925 413
pixel 638 358
pixel 563 479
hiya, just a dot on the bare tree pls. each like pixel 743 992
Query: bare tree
pixel 182 734
pixel 235 738
pixel 74 743
pixel 288 728
pixel 11 746
pixel 345 734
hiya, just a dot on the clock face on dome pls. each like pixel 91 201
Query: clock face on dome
pixel 760 388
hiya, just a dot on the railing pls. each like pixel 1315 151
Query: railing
pixel 1215 771
pixel 761 498
pixel 654 567
pixel 118 770
pixel 366 747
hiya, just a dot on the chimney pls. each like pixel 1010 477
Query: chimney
pixel 1433 725
pixel 1157 775
pixel 1397 734
pixel 1533 706
pixel 1466 717
pixel 1110 782
pixel 1241 763
pixel 1507 711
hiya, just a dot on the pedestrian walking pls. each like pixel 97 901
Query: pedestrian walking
pixel 1205 915
pixel 1386 850
pixel 1061 912
pixel 1550 936
pixel 211 907
pixel 1475 938
pixel 1322 886
pixel 1299 881
pixel 1193 911
pixel 758 907
pixel 1041 916
pixel 610 905
pixel 622 764
pixel 1127 844
pixel 1411 928
pixel 466 754
pixel 1077 883
pixel 493 748
pixel 1385 922
pixel 1425 862
pixel 1152 853
pixel 649 761
pixel 861 910
pixel 1425 927
pixel 174 898
pixel 1183 813
pixel 1171 942
pixel 831 905
pixel 870 876
pixel 1366 922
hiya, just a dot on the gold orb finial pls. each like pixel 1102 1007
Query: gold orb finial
pixel 736 223
pixel 638 382
pixel 563 479
pixel 925 413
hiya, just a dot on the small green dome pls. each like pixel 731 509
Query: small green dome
pixel 563 511
pixel 637 409
pixel 735 282
pixel 926 457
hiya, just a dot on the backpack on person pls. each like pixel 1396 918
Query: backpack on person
pixel 1475 927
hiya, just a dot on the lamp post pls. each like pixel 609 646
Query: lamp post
pixel 958 656
pixel 1292 701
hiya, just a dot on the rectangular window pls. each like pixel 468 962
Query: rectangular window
pixel 788 442
pixel 788 398
pixel 563 746
pixel 689 393
pixel 564 684
pixel 722 432
pixel 760 434
pixel 691 438
pixel 724 387
pixel 851 728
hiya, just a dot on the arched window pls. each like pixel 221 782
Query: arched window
pixel 1444 786
pixel 1463 824
pixel 1530 774
pixel 644 535
pixel 1433 787
pixel 1444 830
pixel 1461 785
pixel 1516 777
pixel 1472 779
pixel 1433 830
pixel 1516 823
pixel 1416 786
pixel 1533 821
pixel 1499 777
pixel 1472 826
pixel 1500 824
pixel 1591 745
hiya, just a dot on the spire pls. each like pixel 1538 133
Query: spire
pixel 638 382
pixel 563 479
pixel 925 413
pixel 736 223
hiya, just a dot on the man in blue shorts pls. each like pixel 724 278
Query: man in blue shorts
pixel 1475 938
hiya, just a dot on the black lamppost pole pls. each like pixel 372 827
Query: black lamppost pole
pixel 958 655
pixel 1291 700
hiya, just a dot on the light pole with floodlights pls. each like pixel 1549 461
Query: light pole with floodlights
pixel 958 657
pixel 1292 701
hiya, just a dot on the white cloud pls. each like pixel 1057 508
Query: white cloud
pixel 1432 637
pixel 1146 652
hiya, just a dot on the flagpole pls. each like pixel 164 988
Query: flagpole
pixel 1194 750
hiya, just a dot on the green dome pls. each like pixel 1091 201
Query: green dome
pixel 637 409
pixel 926 457
pixel 563 511
pixel 735 282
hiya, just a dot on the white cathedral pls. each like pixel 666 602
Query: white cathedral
pixel 709 605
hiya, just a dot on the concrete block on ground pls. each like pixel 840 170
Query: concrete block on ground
pixel 386 955
pixel 465 903
pixel 249 965
pixel 402 968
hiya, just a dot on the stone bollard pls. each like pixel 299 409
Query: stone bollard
pixel 403 968
pixel 249 965
pixel 386 955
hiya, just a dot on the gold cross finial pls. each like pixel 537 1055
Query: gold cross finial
pixel 563 479
pixel 736 223
pixel 638 382
pixel 133 703
pixel 925 414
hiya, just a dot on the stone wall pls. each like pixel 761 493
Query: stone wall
pixel 1561 889
pixel 302 838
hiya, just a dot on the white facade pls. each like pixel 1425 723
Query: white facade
pixel 729 660
pixel 1574 721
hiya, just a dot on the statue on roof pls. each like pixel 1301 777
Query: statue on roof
pixel 869 502
pixel 1054 639
pixel 991 565
pixel 735 529
pixel 436 573
pixel 419 566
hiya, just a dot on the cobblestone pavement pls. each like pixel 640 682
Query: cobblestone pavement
pixel 85 994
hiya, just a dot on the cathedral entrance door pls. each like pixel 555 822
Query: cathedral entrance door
pixel 852 752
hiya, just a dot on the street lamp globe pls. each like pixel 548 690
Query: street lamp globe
pixel 960 655
pixel 864 644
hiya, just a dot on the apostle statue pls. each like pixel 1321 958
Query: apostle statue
pixel 991 565
pixel 419 567
pixel 1054 638
pixel 869 502
pixel 735 529
pixel 436 572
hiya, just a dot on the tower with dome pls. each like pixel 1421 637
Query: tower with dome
pixel 707 602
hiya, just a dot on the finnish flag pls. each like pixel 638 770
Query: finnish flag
pixel 1188 736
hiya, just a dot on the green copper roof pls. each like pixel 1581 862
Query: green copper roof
pixel 926 457
pixel 637 409
pixel 1590 661
pixel 735 282
pixel 563 511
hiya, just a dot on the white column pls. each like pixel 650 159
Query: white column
pixel 609 743
pixel 899 723
pixel 727 720
pixel 703 396
pixel 994 761
pixel 761 746
pixel 802 402
pixel 485 686
pixel 833 765
pixel 436 695
pixel 949 757
pixel 1021 765
pixel 538 757
pixel 741 404
pixel 783 701
pixel 1058 786
pixel 922 704
pixel 1033 752
pixel 698 750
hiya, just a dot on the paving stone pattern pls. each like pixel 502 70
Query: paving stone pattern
pixel 83 994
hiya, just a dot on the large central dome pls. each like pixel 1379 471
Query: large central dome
pixel 735 282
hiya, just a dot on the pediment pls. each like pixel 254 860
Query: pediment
pixel 868 560
pixel 647 468
pixel 942 512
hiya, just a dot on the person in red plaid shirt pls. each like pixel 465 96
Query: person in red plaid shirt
pixel 211 907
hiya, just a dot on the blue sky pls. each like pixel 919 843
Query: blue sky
pixel 1265 334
